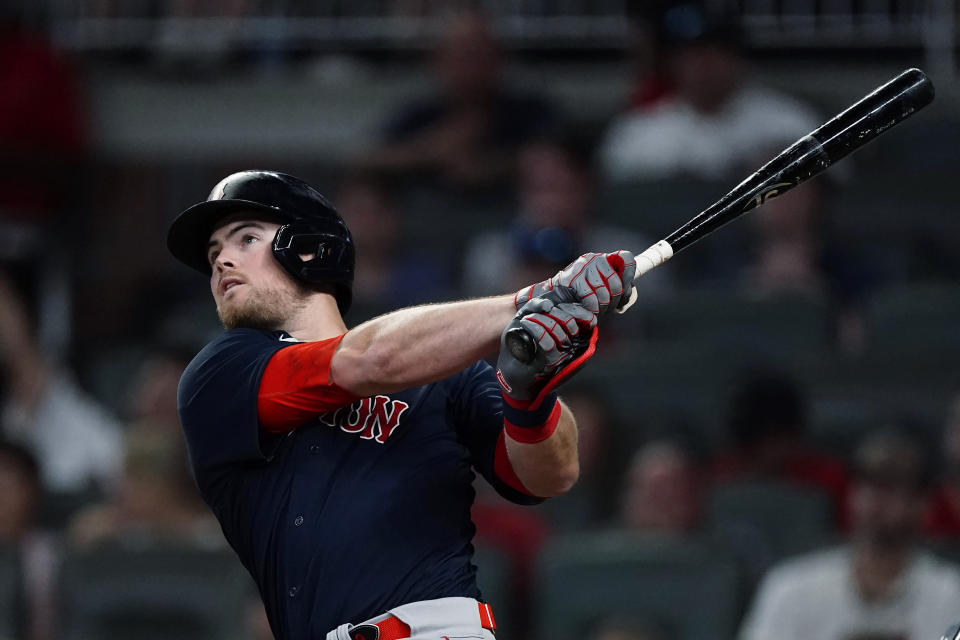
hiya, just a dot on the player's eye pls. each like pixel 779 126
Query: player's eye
pixel 213 256
pixel 249 239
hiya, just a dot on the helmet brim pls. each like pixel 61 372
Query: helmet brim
pixel 189 234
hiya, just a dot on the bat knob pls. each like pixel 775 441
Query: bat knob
pixel 521 345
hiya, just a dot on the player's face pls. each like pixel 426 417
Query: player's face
pixel 250 287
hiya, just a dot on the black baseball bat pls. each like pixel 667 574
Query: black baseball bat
pixel 846 132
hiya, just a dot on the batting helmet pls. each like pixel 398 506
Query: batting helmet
pixel 311 227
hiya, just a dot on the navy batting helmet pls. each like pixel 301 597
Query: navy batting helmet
pixel 311 227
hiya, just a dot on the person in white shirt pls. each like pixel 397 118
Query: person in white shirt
pixel 880 585
pixel 77 442
pixel 713 120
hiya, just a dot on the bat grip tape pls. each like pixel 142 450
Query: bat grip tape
pixel 652 257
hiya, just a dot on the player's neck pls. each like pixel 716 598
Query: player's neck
pixel 318 319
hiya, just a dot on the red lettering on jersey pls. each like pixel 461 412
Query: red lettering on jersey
pixel 382 420
pixel 373 418
pixel 355 418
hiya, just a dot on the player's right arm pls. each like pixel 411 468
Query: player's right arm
pixel 419 345
pixel 424 344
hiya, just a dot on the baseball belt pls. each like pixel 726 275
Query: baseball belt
pixel 393 628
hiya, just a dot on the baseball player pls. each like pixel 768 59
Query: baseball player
pixel 339 462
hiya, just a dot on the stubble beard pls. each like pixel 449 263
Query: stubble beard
pixel 264 309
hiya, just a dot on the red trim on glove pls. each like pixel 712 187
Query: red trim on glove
pixel 528 435
pixel 568 370
pixel 616 261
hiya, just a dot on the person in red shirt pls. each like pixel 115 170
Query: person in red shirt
pixel 767 424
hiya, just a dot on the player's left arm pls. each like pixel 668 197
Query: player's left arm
pixel 539 447
pixel 548 467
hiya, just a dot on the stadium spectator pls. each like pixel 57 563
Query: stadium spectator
pixel 557 221
pixel 878 586
pixel 391 274
pixel 76 442
pixel 663 490
pixel 465 134
pixel 767 426
pixel 155 499
pixel 37 550
pixel 787 245
pixel 942 520
pixel 715 119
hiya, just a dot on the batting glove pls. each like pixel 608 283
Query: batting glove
pixel 600 280
pixel 565 333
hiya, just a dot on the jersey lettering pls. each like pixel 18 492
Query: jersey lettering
pixel 373 418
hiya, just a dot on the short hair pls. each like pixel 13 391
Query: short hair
pixel 893 457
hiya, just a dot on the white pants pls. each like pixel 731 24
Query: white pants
pixel 452 618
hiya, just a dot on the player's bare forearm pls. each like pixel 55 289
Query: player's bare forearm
pixel 419 345
pixel 550 467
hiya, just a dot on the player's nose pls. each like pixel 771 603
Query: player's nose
pixel 223 262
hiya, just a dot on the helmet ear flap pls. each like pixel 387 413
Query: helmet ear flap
pixel 317 253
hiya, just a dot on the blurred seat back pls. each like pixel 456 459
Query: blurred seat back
pixel 918 317
pixel 776 518
pixel 154 593
pixel 685 584
pixel 775 324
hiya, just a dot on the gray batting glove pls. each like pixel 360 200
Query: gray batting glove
pixel 601 281
pixel 562 328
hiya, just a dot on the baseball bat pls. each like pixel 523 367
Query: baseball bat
pixel 846 132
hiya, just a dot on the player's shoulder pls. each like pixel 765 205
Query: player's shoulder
pixel 234 339
pixel 230 346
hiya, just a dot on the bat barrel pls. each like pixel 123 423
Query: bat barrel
pixel 875 113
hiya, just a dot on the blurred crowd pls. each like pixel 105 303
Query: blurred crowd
pixel 746 406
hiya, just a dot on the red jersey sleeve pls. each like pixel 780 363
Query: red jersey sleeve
pixel 297 385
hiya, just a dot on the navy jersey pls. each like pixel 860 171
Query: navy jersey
pixel 363 508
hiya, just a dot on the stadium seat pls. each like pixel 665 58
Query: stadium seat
pixel 9 592
pixel 152 593
pixel 879 388
pixel 783 519
pixel 770 324
pixel 687 585
pixel 917 317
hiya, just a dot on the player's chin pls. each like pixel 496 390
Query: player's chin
pixel 234 315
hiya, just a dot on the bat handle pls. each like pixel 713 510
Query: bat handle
pixel 521 345
pixel 653 256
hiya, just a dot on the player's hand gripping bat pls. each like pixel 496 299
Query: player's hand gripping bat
pixel 846 132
